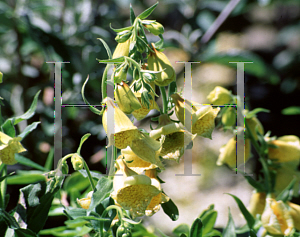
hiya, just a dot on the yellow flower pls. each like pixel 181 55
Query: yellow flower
pixel 141 113
pixel 176 138
pixel 124 131
pixel 122 49
pixel 254 124
pixel 228 153
pixel 295 213
pixel 220 96
pixel 203 117
pixel 160 198
pixel 134 162
pixel 85 202
pixel 158 61
pixel 125 98
pixel 288 149
pixel 276 218
pixel 132 191
pixel 155 28
pixel 229 117
pixel 257 203
pixel 9 147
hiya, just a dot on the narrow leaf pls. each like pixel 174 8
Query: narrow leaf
pixel 249 218
pixel 255 184
pixel 114 60
pixel 121 29
pixel 5 176
pixel 159 44
pixel 106 47
pixel 287 193
pixel 252 233
pixel 255 111
pixel 171 210
pixel 132 15
pixel 292 110
pixel 196 228
pixel 8 128
pixel 229 231
pixel 25 161
pixel 28 129
pixel 147 12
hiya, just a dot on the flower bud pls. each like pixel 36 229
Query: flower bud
pixel 123 36
pixel 126 99
pixel 9 147
pixel 288 149
pixel 229 117
pixel 220 96
pixel 119 75
pixel 77 161
pixel 228 153
pixel 158 61
pixel 254 124
pixel 155 28
pixel 295 213
pixel 123 132
pixel 85 202
pixel 276 218
pixel 122 49
pixel 257 203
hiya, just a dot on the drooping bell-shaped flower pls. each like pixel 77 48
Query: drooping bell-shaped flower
pixel 157 200
pixel 134 162
pixel 132 191
pixel 276 218
pixel 85 202
pixel 220 96
pixel 122 49
pixel 9 147
pixel 295 213
pixel 123 132
pixel 288 149
pixel 176 138
pixel 203 117
pixel 228 153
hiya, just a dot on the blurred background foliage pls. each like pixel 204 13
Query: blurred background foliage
pixel 35 32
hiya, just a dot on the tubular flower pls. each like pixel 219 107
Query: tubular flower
pixel 203 117
pixel 254 124
pixel 229 117
pixel 220 96
pixel 124 131
pixel 288 149
pixel 176 138
pixel 276 218
pixel 85 202
pixel 134 162
pixel 154 205
pixel 295 213
pixel 257 203
pixel 9 147
pixel 122 49
pixel 132 191
pixel 148 149
pixel 141 113
pixel 228 153
pixel 158 61
pixel 125 98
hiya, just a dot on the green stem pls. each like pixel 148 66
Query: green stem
pixel 118 209
pixel 104 80
pixel 164 99
pixel 89 174
pixel 3 172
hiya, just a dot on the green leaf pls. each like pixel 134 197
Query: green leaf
pixel 287 193
pixel 147 12
pixel 252 233
pixel 95 175
pixel 24 233
pixel 103 189
pixel 249 218
pixel 182 229
pixel 28 129
pixel 292 110
pixel 9 220
pixel 121 29
pixel 93 109
pixel 196 228
pixel 5 176
pixel 255 184
pixel 171 210
pixel 49 161
pixel 132 15
pixel 25 161
pixel 26 177
pixel 257 68
pixel 30 112
pixel 252 113
pixel 114 60
pixel 213 233
pixel 8 128
pixel 1 74
pixel 111 213
pixel 106 47
pixel 75 223
pixel 76 182
pixel 229 230
pixel 83 139
pixel 208 221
